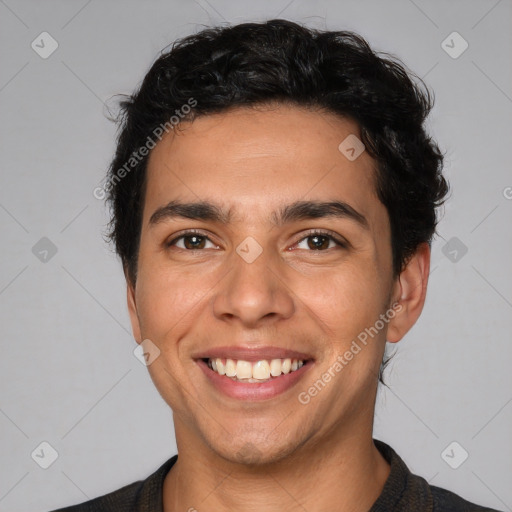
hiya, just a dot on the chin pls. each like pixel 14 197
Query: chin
pixel 253 452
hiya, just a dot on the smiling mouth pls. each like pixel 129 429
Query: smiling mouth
pixel 260 371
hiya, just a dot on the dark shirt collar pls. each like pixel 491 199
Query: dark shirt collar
pixel 150 498
pixel 402 490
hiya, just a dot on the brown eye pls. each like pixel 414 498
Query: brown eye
pixel 194 242
pixel 320 241
pixel 191 241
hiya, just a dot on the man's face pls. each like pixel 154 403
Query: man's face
pixel 261 281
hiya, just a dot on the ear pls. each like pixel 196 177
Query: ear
pixel 132 309
pixel 410 290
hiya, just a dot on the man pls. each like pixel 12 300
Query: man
pixel 274 197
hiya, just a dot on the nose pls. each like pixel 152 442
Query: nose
pixel 254 293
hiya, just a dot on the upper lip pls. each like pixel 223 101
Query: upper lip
pixel 252 354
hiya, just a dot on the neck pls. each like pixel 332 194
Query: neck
pixel 344 473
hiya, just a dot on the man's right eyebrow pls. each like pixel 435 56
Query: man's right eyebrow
pixel 203 210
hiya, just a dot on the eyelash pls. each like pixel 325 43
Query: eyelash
pixel 327 234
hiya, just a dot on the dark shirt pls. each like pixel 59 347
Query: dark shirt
pixel 402 492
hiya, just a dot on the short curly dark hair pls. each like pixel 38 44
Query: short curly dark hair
pixel 280 61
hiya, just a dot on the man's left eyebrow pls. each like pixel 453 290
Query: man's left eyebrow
pixel 299 210
pixel 302 210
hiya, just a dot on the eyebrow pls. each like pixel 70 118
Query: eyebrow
pixel 299 210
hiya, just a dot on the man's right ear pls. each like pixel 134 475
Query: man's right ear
pixel 132 308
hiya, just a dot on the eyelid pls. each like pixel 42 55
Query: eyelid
pixel 323 232
pixel 188 232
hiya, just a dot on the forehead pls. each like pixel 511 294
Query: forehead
pixel 259 159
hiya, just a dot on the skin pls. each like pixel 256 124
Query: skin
pixel 276 454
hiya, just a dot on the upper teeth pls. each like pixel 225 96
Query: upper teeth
pixel 259 370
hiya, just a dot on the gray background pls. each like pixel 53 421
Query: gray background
pixel 68 373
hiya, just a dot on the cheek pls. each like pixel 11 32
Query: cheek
pixel 165 301
pixel 346 299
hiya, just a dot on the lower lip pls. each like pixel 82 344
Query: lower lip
pixel 254 391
